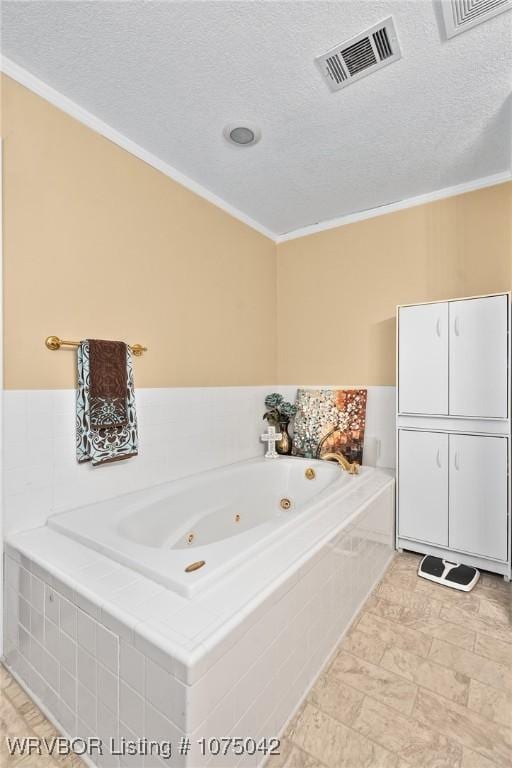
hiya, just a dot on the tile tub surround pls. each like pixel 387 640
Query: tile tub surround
pixel 105 650
pixel 183 431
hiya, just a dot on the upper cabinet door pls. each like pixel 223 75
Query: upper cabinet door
pixel 478 357
pixel 423 359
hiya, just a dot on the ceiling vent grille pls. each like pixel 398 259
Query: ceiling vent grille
pixel 360 56
pixel 460 15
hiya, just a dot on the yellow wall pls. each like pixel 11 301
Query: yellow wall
pixel 99 244
pixel 338 289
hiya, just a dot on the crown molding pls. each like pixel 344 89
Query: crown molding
pixel 45 91
pixel 34 84
pixel 400 205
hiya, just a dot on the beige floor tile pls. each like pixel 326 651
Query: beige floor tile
pixel 444 630
pixel 494 582
pixel 392 633
pixel 292 757
pixel 413 741
pixel 468 728
pixel 471 664
pixel 477 623
pixel 337 746
pixel 368 678
pixel 339 701
pixel 410 600
pixel 384 608
pixel 445 682
pixel 494 649
pixel 472 759
pixel 364 645
pixel 402 578
pixel 405 561
pixel 499 610
pixel 467 602
pixel 491 703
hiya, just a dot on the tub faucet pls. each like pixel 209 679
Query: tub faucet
pixel 352 469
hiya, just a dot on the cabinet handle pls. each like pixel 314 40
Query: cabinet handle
pixel 456 462
pixel 438 328
pixel 438 458
pixel 456 327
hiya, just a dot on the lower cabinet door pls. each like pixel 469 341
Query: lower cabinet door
pixel 423 486
pixel 478 495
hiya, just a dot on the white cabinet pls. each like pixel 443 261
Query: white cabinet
pixel 478 495
pixel 423 486
pixel 454 431
pixel 478 357
pixel 452 358
pixel 452 491
pixel 423 359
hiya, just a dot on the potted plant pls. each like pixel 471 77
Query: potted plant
pixel 279 414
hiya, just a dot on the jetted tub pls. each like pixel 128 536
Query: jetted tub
pixel 278 589
pixel 207 522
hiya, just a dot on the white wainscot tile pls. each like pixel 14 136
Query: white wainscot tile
pixel 67 653
pixel 25 584
pixel 51 670
pixel 158 728
pixel 37 625
pixel 86 632
pixel 86 669
pixel 24 613
pixel 132 667
pixel 68 689
pixel 131 708
pixel 163 691
pixel 51 637
pixel 107 688
pixel 67 617
pixel 86 706
pixel 37 593
pixel 51 604
pixel 106 648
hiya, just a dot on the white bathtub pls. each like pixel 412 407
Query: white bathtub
pixel 217 518
pixel 226 651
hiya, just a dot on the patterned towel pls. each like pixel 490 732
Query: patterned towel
pixel 110 433
pixel 108 382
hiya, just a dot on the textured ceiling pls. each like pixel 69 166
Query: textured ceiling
pixel 170 75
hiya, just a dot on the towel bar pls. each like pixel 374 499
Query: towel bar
pixel 53 343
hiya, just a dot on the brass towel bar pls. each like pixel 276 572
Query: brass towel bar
pixel 53 343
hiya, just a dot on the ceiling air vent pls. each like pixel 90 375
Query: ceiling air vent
pixel 460 15
pixel 360 56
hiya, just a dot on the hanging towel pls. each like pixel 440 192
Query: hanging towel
pixel 106 421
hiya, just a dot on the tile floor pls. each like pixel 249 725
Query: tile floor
pixel 422 680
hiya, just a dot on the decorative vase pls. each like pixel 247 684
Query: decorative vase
pixel 284 445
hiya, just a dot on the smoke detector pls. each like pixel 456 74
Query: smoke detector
pixel 360 55
pixel 241 134
pixel 460 15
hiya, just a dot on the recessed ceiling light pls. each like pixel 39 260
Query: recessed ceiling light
pixel 241 135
